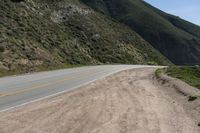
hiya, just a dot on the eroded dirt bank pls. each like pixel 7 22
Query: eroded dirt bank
pixel 131 101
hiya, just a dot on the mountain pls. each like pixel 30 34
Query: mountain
pixel 42 34
pixel 174 37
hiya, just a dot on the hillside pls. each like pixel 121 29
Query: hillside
pixel 47 34
pixel 174 37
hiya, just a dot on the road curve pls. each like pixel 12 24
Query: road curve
pixel 132 101
pixel 19 90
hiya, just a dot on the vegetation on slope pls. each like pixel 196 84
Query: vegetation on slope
pixel 175 38
pixel 190 75
pixel 39 35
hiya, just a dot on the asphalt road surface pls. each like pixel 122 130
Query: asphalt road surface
pixel 20 90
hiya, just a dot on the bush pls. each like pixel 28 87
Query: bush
pixel 2 49
pixel 17 0
pixel 152 63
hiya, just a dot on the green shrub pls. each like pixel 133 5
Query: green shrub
pixel 2 49
pixel 152 63
pixel 17 0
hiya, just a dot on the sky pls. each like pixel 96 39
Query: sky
pixel 186 9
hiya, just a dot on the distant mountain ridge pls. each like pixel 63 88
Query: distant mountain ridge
pixel 174 37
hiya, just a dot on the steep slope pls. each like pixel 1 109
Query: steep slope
pixel 39 34
pixel 178 22
pixel 177 39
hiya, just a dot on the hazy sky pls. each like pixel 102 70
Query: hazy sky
pixel 186 9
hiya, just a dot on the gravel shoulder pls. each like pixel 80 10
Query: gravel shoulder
pixel 132 101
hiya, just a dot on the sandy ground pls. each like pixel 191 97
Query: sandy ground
pixel 132 101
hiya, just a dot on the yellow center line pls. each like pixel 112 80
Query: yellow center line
pixel 45 85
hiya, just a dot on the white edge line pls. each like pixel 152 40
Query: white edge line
pixel 73 88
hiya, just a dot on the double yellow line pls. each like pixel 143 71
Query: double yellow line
pixel 46 84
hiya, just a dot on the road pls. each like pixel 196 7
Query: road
pixel 132 101
pixel 19 90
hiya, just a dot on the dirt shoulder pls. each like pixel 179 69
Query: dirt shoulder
pixel 132 101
